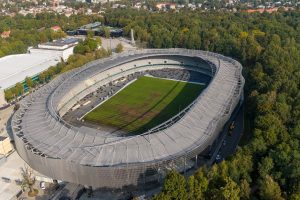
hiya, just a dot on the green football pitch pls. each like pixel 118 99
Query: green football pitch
pixel 144 104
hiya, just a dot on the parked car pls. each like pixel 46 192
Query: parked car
pixel 231 127
pixel 42 185
pixel 219 158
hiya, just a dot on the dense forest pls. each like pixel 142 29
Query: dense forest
pixel 267 163
pixel 30 31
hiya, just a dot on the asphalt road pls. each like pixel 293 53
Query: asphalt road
pixel 232 140
pixel 229 142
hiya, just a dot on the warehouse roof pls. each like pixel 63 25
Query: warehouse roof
pixel 62 42
pixel 15 68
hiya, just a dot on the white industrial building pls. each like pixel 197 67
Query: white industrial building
pixel 15 68
pixel 62 48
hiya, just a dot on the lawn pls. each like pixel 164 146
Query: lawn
pixel 144 104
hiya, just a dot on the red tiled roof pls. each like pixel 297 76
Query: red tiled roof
pixel 55 28
pixel 5 34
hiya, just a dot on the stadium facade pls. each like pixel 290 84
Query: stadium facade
pixel 95 158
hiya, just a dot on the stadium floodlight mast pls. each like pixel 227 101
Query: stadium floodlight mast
pixel 95 158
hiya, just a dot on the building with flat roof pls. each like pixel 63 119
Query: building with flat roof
pixel 15 68
pixel 60 44
pixel 62 48
pixel 97 29
pixel 91 25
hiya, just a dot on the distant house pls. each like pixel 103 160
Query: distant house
pixel 55 28
pixel 261 10
pixel 167 6
pixel 5 34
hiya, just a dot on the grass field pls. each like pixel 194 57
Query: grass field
pixel 145 103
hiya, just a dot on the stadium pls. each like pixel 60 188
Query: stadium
pixel 126 120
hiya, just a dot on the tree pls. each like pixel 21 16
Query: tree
pixel 86 46
pixel 101 53
pixel 119 48
pixel 1 54
pixel 175 186
pixel 106 31
pixel 222 188
pixel 19 89
pixel 265 167
pixel 245 189
pixel 230 191
pixel 162 196
pixel 54 35
pixel 90 34
pixel 43 37
pixel 295 197
pixel 80 48
pixel 42 77
pixel 269 189
pixel 28 181
pixel 197 185
pixel 9 95
pixel 98 39
pixel 29 82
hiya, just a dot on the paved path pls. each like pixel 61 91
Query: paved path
pixel 10 171
pixel 4 116
pixel 233 140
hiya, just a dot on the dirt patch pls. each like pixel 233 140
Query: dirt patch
pixel 131 114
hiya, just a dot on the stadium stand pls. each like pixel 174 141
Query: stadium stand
pixel 96 158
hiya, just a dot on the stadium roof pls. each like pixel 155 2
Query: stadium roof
pixel 15 68
pixel 194 131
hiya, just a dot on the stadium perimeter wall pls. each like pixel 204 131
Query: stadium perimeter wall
pixel 78 164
